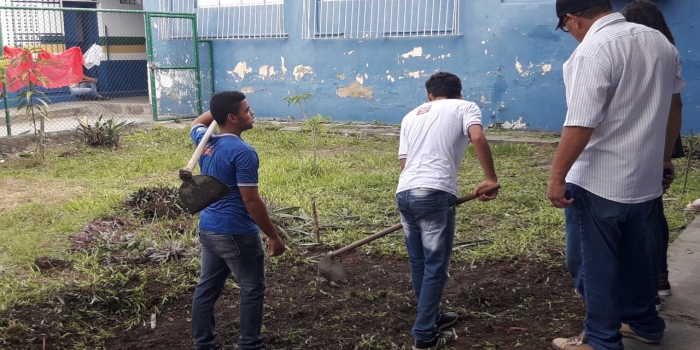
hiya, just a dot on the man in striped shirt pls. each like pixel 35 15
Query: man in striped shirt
pixel 607 169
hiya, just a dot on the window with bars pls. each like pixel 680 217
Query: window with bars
pixel 347 19
pixel 224 3
pixel 232 19
pixel 31 27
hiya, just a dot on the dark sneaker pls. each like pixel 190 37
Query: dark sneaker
pixel 446 319
pixel 665 289
pixel 440 340
pixel 579 342
pixel 657 303
pixel 627 332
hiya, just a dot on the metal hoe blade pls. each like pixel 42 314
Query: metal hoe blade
pixel 329 268
pixel 201 191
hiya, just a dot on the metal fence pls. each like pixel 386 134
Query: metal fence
pixel 141 66
pixel 346 19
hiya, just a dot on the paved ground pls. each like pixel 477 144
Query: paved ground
pixel 682 309
pixel 64 116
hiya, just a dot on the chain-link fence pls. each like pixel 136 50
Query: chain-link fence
pixel 133 60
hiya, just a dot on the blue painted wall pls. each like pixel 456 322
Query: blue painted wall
pixel 508 54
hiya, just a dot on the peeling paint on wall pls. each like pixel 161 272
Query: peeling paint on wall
pixel 272 71
pixel 241 70
pixel 546 68
pixel 340 76
pixel 360 79
pixel 484 100
pixel 415 74
pixel 441 57
pixel 515 124
pixel 519 68
pixel 284 69
pixel 263 71
pixel 355 89
pixel 390 78
pixel 416 52
pixel 300 70
pixel 248 90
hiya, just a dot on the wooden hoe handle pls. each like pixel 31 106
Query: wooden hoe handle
pixel 398 226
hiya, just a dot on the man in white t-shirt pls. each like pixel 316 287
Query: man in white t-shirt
pixel 608 167
pixel 434 137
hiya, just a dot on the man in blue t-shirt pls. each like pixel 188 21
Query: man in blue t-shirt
pixel 229 230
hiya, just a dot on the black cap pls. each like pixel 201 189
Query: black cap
pixel 574 6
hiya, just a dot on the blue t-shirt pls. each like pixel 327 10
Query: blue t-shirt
pixel 235 163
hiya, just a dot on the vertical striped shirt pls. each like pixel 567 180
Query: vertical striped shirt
pixel 619 81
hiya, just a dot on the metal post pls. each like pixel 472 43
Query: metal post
pixel 3 77
pixel 151 67
pixel 197 78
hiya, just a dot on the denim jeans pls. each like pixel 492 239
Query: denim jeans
pixel 428 218
pixel 243 255
pixel 85 90
pixel 606 256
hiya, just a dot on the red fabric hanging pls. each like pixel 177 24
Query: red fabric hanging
pixel 58 70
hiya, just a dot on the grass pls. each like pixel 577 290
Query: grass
pixel 356 175
pixel 354 189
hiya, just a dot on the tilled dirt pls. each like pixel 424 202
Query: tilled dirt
pixel 506 304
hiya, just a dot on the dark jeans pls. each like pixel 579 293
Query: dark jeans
pixel 243 255
pixel 428 218
pixel 657 245
pixel 606 256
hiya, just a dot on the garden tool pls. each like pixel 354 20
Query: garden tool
pixel 329 267
pixel 200 191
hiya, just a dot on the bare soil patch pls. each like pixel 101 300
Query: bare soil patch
pixel 503 304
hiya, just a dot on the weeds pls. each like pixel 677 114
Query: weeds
pixel 122 251
pixel 102 133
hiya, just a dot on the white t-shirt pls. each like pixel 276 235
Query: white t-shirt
pixel 433 140
pixel 619 81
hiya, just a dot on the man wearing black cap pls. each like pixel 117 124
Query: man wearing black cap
pixel 606 172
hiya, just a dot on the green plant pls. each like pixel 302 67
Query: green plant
pixel 156 202
pixel 298 100
pixel 315 124
pixel 102 133
pixel 31 100
pixel 692 144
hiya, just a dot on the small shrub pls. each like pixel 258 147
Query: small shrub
pixel 102 133
pixel 156 202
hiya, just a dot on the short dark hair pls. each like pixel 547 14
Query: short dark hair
pixel 594 11
pixel 224 103
pixel 444 84
pixel 644 12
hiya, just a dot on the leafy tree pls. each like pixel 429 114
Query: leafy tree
pixel 298 100
pixel 33 102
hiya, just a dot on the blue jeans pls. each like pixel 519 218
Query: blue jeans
pixel 428 218
pixel 243 255
pixel 85 90
pixel 606 256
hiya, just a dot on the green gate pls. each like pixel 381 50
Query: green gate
pixel 174 66
pixel 149 65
